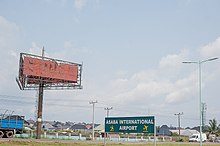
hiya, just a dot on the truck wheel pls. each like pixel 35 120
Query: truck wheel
pixel 9 134
pixel 1 134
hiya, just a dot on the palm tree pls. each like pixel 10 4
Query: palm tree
pixel 218 129
pixel 213 127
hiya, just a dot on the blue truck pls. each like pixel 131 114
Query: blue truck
pixel 11 125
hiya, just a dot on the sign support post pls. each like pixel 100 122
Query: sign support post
pixel 155 131
pixel 104 138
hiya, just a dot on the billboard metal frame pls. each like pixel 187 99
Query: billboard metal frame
pixel 26 82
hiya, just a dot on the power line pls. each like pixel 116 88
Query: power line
pixel 3 95
pixel 117 107
pixel 74 100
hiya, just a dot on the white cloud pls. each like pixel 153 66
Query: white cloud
pixel 9 31
pixel 156 86
pixel 183 90
pixel 79 4
pixel 35 49
pixel 167 87
pixel 212 49
pixel 10 38
pixel 173 61
pixel 9 34
pixel 69 46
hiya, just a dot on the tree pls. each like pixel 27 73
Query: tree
pixel 218 129
pixel 158 129
pixel 213 127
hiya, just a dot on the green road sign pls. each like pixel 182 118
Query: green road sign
pixel 130 124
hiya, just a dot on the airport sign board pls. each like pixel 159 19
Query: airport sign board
pixel 143 124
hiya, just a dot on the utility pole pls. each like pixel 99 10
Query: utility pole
pixel 108 109
pixel 204 109
pixel 93 116
pixel 179 114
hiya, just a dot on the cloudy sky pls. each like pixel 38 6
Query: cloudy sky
pixel 132 53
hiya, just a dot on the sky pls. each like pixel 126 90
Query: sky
pixel 132 53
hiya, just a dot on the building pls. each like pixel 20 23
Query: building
pixel 164 130
pixel 185 132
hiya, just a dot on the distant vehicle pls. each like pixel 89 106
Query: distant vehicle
pixel 196 137
pixel 212 137
pixel 10 125
pixel 217 140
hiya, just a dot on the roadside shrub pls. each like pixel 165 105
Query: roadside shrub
pixel 88 138
pixel 179 140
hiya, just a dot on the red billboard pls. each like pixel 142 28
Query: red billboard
pixel 49 69
pixel 51 73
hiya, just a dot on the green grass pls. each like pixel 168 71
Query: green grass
pixel 86 143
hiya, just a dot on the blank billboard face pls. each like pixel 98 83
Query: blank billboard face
pixel 49 70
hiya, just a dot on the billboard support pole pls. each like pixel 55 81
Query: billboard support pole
pixel 40 109
pixel 40 105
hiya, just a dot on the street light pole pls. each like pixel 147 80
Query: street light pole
pixel 200 103
pixel 93 116
pixel 108 109
pixel 200 91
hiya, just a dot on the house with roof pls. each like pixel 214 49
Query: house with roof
pixel 164 131
pixel 48 126
pixel 79 127
pixel 100 128
pixel 58 125
pixel 185 132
